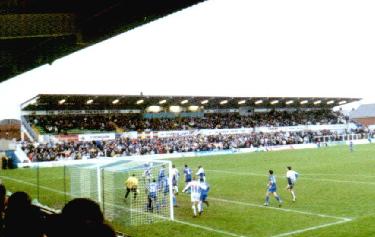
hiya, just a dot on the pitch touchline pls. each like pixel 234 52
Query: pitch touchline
pixel 314 179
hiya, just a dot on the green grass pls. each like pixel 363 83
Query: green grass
pixel 333 182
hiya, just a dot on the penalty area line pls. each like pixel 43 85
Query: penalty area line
pixel 208 228
pixel 280 209
pixel 311 228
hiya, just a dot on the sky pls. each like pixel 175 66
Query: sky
pixel 291 48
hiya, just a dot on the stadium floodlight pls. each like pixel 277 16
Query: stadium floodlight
pixel 115 101
pixel 289 102
pixel 317 102
pixel 140 102
pixel 61 101
pixel 258 102
pixel 304 102
pixel 204 102
pixel 162 102
pixel 330 102
pixel 89 101
pixel 274 102
pixel 175 109
pixel 241 102
pixel 184 102
pixel 223 102
pixel 342 102
pixel 154 109
pixel 193 107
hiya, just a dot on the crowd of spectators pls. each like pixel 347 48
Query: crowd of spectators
pixel 79 217
pixel 64 123
pixel 74 150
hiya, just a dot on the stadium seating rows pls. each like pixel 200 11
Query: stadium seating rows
pixel 69 123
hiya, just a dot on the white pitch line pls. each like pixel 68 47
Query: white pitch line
pixel 345 175
pixel 314 179
pixel 310 228
pixel 32 184
pixel 209 228
pixel 280 209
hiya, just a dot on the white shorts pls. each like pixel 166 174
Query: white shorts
pixel 195 197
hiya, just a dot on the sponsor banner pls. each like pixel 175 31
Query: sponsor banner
pixel 208 132
pixel 97 137
pixel 222 111
pixel 205 132
pixel 177 133
pixel 129 134
pixel 301 128
pixel 82 112
pixel 57 138
pixel 67 138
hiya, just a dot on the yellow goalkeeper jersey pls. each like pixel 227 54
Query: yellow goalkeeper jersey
pixel 131 182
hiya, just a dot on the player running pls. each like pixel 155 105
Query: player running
pixel 271 189
pixel 205 188
pixel 152 195
pixel 201 174
pixel 195 195
pixel 187 173
pixel 351 146
pixel 175 178
pixel 291 177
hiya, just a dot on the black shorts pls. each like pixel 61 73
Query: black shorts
pixel 131 189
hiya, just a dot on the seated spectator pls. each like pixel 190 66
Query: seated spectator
pixel 3 201
pixel 21 218
pixel 80 217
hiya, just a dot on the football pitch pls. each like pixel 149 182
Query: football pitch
pixel 335 194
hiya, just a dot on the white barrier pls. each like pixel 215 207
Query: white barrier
pixel 184 154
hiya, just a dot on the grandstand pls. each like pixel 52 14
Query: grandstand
pixel 119 125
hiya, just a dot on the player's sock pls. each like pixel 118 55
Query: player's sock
pixel 200 209
pixel 293 195
pixel 267 201
pixel 207 203
pixel 278 199
pixel 194 210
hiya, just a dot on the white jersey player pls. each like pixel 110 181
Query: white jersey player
pixel 291 176
pixel 201 174
pixel 175 178
pixel 195 195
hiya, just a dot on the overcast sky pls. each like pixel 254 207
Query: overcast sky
pixel 223 48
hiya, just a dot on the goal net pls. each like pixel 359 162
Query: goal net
pixel 108 183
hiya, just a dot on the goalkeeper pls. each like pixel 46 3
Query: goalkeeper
pixel 131 185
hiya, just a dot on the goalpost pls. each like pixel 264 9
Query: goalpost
pixel 105 183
